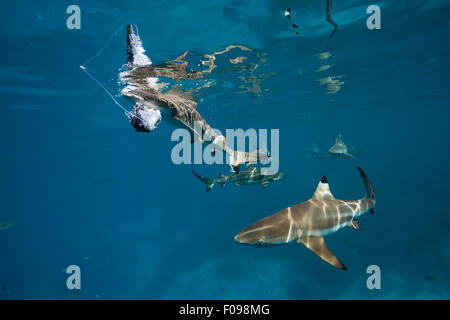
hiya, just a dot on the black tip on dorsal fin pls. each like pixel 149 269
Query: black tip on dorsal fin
pixel 324 179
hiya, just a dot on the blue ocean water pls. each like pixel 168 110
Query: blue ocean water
pixel 84 188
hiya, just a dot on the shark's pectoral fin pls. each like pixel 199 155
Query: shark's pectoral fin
pixel 350 155
pixel 318 246
pixel 353 224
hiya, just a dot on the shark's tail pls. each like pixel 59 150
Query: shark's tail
pixel 135 50
pixel 369 187
pixel 209 182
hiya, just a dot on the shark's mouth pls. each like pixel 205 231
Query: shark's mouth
pixel 145 119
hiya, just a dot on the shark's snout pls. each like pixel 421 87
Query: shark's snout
pixel 251 238
pixel 144 119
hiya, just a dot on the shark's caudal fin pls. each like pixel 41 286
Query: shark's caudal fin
pixel 209 182
pixel 135 50
pixel 369 187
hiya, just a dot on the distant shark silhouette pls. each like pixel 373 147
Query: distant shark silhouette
pixel 251 175
pixel 338 150
pixel 152 103
pixel 309 221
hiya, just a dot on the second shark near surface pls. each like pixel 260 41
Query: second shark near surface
pixel 251 175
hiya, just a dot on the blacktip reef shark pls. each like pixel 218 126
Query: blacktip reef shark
pixel 308 222
pixel 339 149
pixel 151 104
pixel 7 225
pixel 251 175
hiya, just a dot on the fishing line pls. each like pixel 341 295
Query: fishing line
pixel 127 113
pixel 83 67
pixel 104 47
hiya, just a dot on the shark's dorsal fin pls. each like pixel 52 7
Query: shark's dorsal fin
pixel 323 190
pixel 339 145
pixel 318 246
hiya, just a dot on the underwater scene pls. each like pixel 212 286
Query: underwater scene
pixel 264 149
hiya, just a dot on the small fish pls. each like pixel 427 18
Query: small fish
pixel 323 68
pixel 5 290
pixel 430 278
pixel 7 225
pixel 323 55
